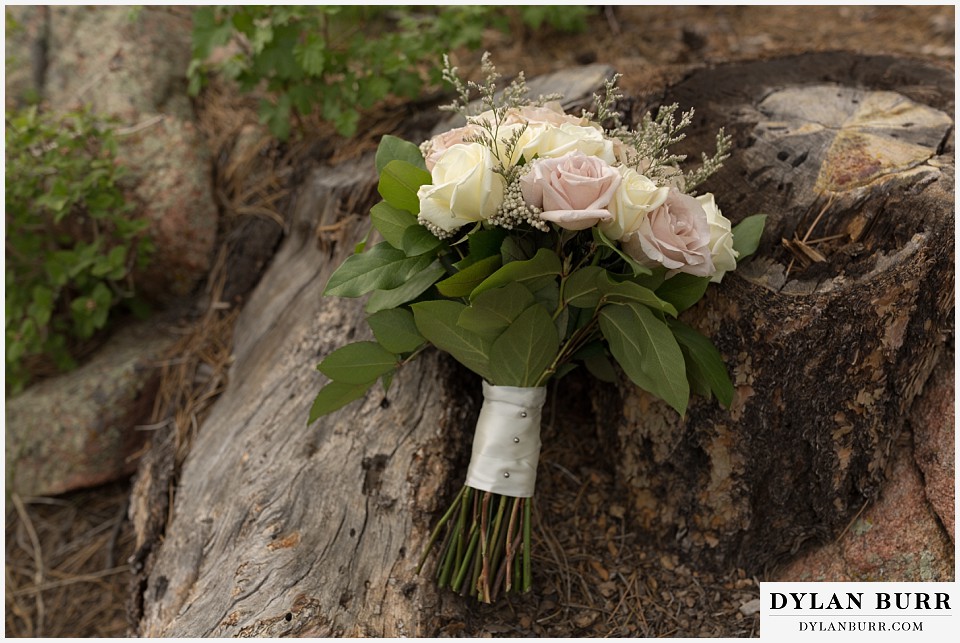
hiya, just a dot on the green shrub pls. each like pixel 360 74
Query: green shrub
pixel 334 59
pixel 71 243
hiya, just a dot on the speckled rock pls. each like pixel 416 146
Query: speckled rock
pixel 130 64
pixel 169 168
pixel 23 48
pixel 78 430
pixel 896 539
pixel 932 419
pixel 123 61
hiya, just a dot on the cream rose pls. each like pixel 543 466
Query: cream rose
pixel 635 198
pixel 721 238
pixel 675 235
pixel 465 188
pixel 553 141
pixel 573 191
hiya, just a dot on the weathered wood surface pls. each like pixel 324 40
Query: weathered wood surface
pixel 280 529
pixel 828 342
pixel 284 529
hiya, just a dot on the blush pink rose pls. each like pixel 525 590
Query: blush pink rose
pixel 444 141
pixel 550 113
pixel 675 235
pixel 572 191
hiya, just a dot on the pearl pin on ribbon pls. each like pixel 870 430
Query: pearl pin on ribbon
pixel 506 445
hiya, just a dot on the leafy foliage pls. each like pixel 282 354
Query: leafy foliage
pixel 334 59
pixel 71 241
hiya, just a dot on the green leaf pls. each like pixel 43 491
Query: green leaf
pixel 334 396
pixel 358 363
pixel 462 283
pixel 208 34
pixel 111 263
pixel 485 243
pixel 705 366
pixel 399 183
pixel 311 55
pixel 525 349
pixel 517 249
pixel 372 89
pixel 626 291
pixel 391 222
pixel 602 240
pixel 395 330
pixel 42 305
pixel 581 289
pixel 545 263
pixel 277 116
pixel 383 267
pixel 410 290
pixel 303 97
pixel 683 290
pixel 437 321
pixel 492 311
pixel 393 148
pixel 402 231
pixel 601 368
pixel 647 351
pixel 546 290
pixel 746 235
pixel 417 240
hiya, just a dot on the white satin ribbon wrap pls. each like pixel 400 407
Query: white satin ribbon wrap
pixel 506 445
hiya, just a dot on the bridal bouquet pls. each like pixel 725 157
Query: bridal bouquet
pixel 528 243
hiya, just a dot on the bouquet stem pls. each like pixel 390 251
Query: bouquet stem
pixel 485 550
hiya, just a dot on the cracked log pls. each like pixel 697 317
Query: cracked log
pixel 830 331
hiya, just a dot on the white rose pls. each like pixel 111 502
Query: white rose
pixel 529 134
pixel 636 197
pixel 675 235
pixel 465 188
pixel 721 238
pixel 552 141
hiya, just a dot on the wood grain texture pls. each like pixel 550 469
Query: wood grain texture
pixel 283 529
pixel 833 327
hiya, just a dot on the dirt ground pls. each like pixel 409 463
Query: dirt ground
pixel 66 557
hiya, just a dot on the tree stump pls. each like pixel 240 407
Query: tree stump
pixel 830 331
pixel 282 529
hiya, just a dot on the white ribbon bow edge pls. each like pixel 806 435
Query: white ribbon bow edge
pixel 506 445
